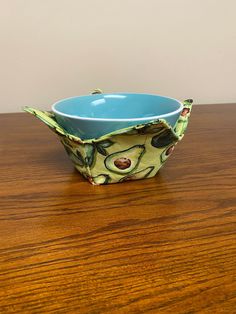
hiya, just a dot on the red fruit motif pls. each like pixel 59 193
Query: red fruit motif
pixel 170 150
pixel 185 111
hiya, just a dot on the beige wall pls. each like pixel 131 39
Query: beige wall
pixel 51 49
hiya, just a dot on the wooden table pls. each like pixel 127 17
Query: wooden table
pixel 160 245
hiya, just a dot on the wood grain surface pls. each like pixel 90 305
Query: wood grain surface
pixel 160 245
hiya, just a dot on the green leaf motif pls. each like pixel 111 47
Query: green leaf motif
pixel 80 158
pixel 100 149
pixel 188 102
pixel 90 154
pixel 105 143
pixel 152 129
pixel 163 139
pixel 75 157
pixel 68 150
pixel 142 174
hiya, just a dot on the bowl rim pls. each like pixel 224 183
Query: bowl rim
pixel 77 117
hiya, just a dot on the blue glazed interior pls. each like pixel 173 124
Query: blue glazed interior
pixel 92 116
pixel 117 106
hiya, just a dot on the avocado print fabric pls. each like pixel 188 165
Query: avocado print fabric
pixel 136 152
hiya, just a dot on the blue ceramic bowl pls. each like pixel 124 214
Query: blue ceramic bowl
pixel 96 115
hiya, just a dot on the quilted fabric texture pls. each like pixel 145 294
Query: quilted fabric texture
pixel 133 153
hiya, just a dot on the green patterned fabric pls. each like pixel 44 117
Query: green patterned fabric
pixel 136 152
